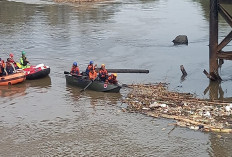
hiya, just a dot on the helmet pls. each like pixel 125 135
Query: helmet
pixel 11 55
pixel 75 63
pixel 115 74
pixel 103 65
pixel 23 52
pixel 91 62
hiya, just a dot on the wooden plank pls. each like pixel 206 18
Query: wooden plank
pixel 225 15
pixel 225 41
pixel 213 36
pixel 225 1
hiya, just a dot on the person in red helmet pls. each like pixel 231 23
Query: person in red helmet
pixel 11 59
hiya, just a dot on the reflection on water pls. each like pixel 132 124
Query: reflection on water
pixel 40 83
pixel 96 98
pixel 13 90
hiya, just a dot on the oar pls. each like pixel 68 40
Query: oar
pixel 88 85
pixel 66 72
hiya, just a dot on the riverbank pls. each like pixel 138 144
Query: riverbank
pixel 157 101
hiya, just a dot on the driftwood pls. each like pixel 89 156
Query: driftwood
pixel 189 111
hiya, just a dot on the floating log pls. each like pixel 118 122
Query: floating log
pixel 126 70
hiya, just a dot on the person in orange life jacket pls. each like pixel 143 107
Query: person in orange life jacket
pixel 90 67
pixel 12 61
pixel 75 69
pixel 2 68
pixel 113 78
pixel 103 74
pixel 92 75
pixel 9 68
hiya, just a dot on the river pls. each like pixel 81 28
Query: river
pixel 47 117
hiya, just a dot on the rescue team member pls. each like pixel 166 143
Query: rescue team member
pixel 113 78
pixel 24 61
pixel 75 69
pixel 92 75
pixel 9 68
pixel 103 74
pixel 12 61
pixel 90 67
pixel 2 68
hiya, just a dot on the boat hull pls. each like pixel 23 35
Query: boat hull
pixel 83 81
pixel 36 72
pixel 12 79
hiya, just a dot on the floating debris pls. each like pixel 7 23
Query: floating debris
pixel 197 114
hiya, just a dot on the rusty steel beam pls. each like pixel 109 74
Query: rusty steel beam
pixel 213 37
pixel 225 1
pixel 225 55
pixel 224 42
pixel 225 15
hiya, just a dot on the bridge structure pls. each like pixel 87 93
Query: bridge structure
pixel 216 53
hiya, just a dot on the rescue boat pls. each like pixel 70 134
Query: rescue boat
pixel 36 72
pixel 12 79
pixel 96 85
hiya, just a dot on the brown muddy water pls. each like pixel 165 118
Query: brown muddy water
pixel 46 117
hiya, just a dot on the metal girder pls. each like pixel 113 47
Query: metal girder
pixel 225 15
pixel 224 42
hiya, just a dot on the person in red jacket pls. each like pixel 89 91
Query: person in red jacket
pixel 90 67
pixel 92 75
pixel 113 78
pixel 12 61
pixel 75 69
pixel 103 74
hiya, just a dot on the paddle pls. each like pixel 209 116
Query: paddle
pixel 66 72
pixel 88 85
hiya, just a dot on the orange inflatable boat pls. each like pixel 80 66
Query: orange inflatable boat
pixel 12 79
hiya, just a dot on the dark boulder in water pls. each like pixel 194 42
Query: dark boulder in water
pixel 180 39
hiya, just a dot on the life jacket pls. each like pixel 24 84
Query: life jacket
pixel 75 70
pixel 112 79
pixel 23 62
pixel 13 62
pixel 103 74
pixel 9 67
pixel 89 68
pixel 92 75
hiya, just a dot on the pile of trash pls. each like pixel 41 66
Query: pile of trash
pixel 198 114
